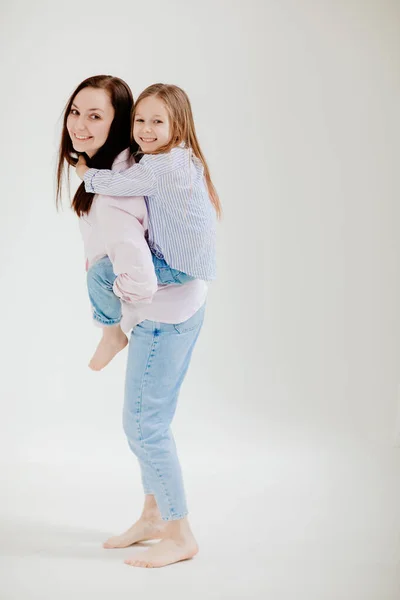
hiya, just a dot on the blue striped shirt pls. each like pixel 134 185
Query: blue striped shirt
pixel 182 220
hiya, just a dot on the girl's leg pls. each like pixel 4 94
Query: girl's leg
pixel 166 274
pixel 106 312
pixel 159 356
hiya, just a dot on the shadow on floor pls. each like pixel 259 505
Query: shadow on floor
pixel 25 537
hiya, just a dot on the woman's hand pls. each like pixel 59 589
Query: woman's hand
pixel 81 166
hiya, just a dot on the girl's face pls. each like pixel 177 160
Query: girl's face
pixel 89 120
pixel 151 128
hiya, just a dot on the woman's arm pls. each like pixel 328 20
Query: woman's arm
pixel 126 247
pixel 138 180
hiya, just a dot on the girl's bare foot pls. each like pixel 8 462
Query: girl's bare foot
pixel 178 544
pixel 113 341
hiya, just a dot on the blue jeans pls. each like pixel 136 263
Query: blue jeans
pixel 158 359
pixel 100 278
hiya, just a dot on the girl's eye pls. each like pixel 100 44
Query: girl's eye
pixel 157 121
pixel 139 120
pixel 73 111
pixel 94 117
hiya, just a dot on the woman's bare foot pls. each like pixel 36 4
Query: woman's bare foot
pixel 113 341
pixel 150 526
pixel 141 531
pixel 178 544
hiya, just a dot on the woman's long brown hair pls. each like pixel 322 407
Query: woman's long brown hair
pixel 182 128
pixel 119 137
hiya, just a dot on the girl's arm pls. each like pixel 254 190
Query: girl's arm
pixel 138 180
pixel 126 247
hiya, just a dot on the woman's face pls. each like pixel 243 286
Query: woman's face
pixel 89 120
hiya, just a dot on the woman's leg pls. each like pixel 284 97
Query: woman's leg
pixel 106 312
pixel 159 356
pixel 149 526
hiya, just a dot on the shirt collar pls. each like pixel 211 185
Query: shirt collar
pixel 122 157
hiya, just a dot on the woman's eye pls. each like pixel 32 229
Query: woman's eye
pixel 94 117
pixel 73 111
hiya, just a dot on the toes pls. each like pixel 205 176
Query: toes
pixel 133 562
pixel 142 563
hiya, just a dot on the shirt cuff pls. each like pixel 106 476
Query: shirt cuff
pixel 88 179
pixel 116 289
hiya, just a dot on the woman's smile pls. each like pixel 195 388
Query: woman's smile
pixel 83 138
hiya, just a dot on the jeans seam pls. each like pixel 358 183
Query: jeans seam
pixel 175 517
pixel 139 412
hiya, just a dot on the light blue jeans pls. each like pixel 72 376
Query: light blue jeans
pixel 100 278
pixel 158 359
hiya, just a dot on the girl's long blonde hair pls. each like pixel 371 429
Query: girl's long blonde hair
pixel 182 128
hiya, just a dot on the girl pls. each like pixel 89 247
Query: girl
pixel 181 199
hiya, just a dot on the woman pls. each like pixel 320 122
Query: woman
pixel 166 321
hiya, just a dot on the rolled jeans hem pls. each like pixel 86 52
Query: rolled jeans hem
pixel 104 322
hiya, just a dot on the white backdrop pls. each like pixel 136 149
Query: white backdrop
pixel 296 107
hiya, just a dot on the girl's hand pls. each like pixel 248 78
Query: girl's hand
pixel 81 166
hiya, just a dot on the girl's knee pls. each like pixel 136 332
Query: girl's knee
pixel 100 273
